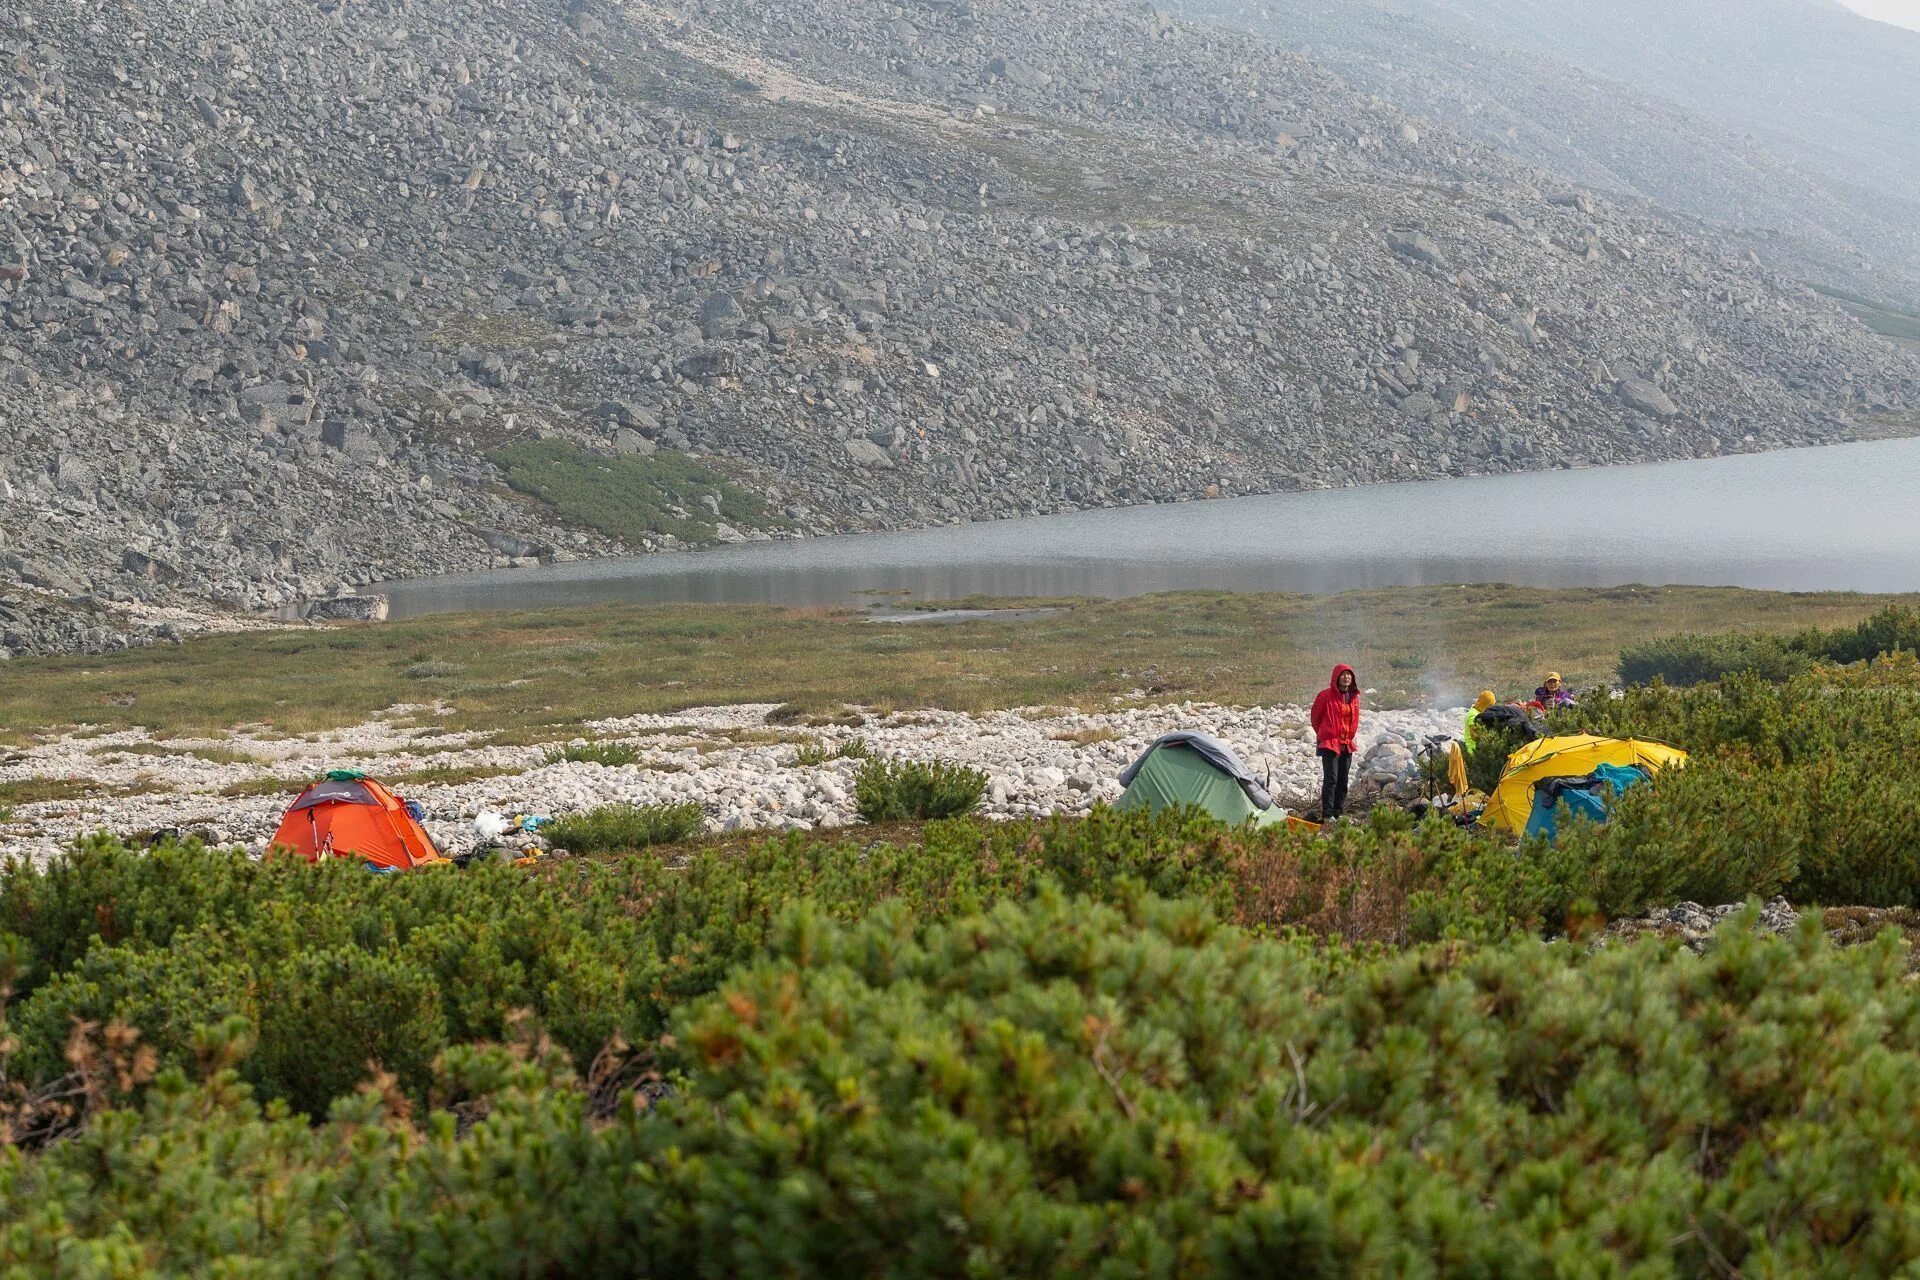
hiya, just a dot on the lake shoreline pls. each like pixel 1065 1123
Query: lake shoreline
pixel 1407 533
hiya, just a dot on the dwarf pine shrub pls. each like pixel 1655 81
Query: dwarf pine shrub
pixel 187 937
pixel 813 754
pixel 912 791
pixel 1894 629
pixel 1065 1086
pixel 1685 660
pixel 1486 759
pixel 622 828
pixel 1869 708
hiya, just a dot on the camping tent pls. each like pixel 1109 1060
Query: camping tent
pixel 350 816
pixel 1197 769
pixel 1590 797
pixel 1511 806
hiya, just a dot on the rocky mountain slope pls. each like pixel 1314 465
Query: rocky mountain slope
pixel 1793 121
pixel 276 279
pixel 1809 79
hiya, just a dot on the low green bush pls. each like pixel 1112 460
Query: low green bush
pixel 624 828
pixel 330 1019
pixel 1802 787
pixel 165 992
pixel 816 715
pixel 912 791
pixel 1894 629
pixel 1685 660
pixel 814 754
pixel 1872 708
pixel 1486 759
pixel 592 949
pixel 1698 834
pixel 610 754
pixel 1064 1086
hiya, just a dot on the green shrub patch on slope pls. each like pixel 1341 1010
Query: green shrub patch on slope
pixel 626 496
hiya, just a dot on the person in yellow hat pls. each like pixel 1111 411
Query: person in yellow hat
pixel 1481 703
pixel 1552 693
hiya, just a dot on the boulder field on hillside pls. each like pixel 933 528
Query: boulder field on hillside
pixel 279 283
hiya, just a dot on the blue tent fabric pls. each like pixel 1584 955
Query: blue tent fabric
pixel 1618 777
pixel 1217 753
pixel 1589 797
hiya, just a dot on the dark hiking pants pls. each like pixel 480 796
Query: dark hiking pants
pixel 1334 767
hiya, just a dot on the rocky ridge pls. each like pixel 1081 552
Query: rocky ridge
pixel 1821 183
pixel 275 278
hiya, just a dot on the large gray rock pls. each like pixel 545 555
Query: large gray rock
pixel 630 442
pixel 1418 246
pixel 721 316
pixel 513 546
pixel 868 455
pixel 1646 397
pixel 1020 72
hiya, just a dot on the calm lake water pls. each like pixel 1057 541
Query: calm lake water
pixel 1840 518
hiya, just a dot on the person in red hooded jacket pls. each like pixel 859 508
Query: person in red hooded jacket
pixel 1336 723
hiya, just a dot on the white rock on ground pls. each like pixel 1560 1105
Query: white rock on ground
pixel 1039 761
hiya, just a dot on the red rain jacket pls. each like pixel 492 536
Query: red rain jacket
pixel 1336 715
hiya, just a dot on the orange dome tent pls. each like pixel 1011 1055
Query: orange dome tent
pixel 350 816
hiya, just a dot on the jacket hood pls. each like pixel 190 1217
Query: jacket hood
pixel 1485 700
pixel 1333 681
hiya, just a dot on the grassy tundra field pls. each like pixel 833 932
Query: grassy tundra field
pixel 545 671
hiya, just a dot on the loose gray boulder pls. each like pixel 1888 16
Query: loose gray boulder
pixel 1646 397
pixel 868 455
pixel 1416 245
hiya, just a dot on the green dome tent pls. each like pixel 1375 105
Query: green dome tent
pixel 1197 769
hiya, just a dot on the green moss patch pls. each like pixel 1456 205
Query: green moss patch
pixel 628 497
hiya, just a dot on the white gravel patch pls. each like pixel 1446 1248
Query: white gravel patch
pixel 1040 761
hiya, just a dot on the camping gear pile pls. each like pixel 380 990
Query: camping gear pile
pixel 1442 756
pixel 506 839
pixel 1508 716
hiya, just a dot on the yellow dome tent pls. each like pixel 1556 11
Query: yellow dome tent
pixel 1570 757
